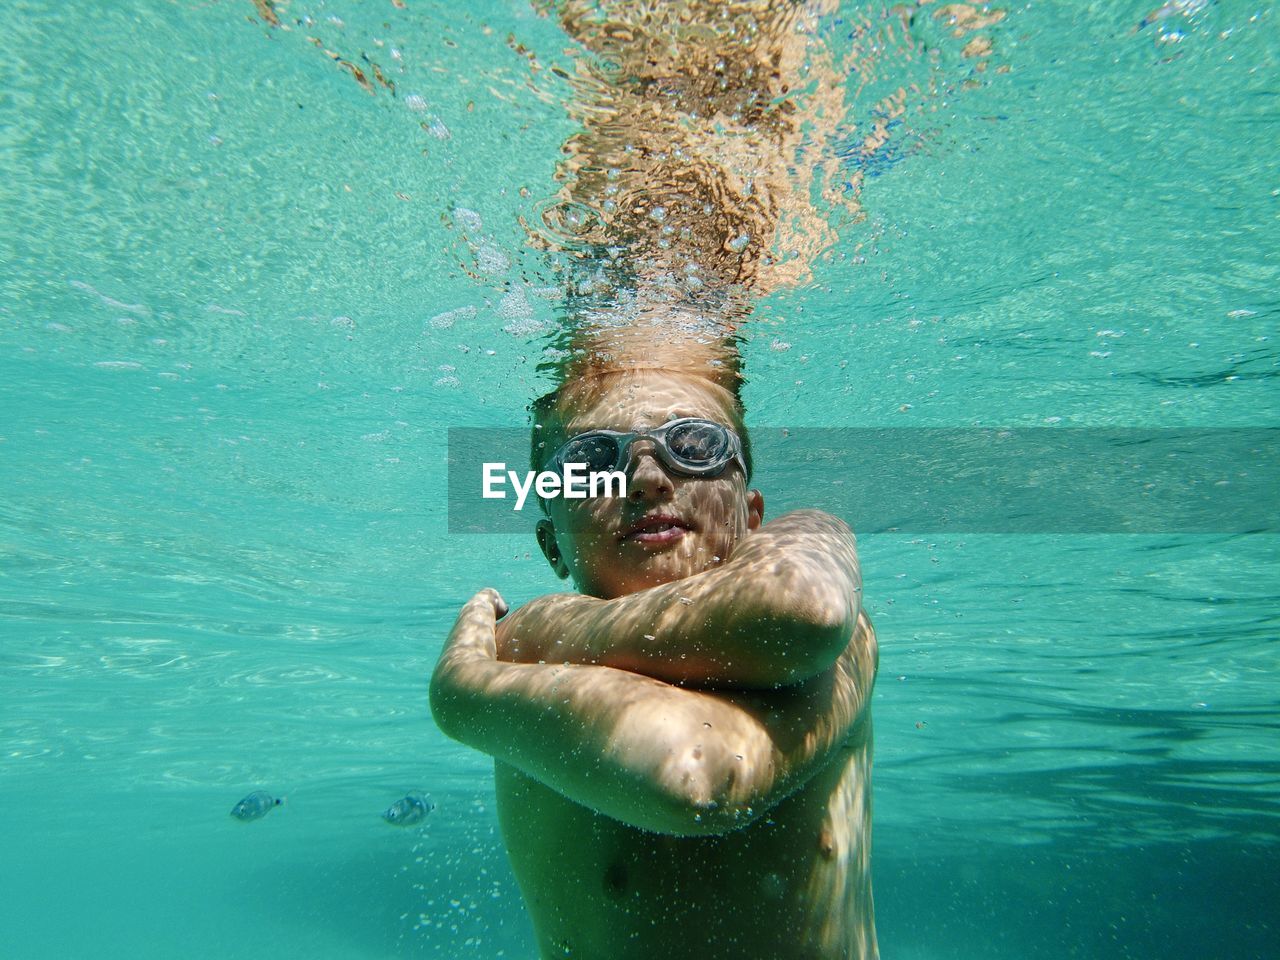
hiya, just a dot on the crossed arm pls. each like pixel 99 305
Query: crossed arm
pixel 638 748
pixel 779 612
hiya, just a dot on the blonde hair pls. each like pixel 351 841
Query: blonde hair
pixel 548 411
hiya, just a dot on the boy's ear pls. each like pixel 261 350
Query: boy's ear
pixel 755 509
pixel 546 534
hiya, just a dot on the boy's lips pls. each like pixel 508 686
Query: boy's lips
pixel 657 528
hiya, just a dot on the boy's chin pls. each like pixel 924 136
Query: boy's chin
pixel 658 571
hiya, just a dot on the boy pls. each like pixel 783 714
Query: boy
pixel 682 750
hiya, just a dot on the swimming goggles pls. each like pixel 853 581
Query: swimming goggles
pixel 689 446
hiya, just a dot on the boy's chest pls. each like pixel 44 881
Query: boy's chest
pixel 577 867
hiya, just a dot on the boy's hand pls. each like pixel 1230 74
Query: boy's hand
pixel 469 653
pixel 473 636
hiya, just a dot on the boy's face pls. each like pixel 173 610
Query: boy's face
pixel 669 526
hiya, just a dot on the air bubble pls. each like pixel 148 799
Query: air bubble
pixel 568 224
pixel 436 128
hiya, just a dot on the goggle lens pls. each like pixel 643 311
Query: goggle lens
pixel 696 447
pixel 599 453
pixel 697 444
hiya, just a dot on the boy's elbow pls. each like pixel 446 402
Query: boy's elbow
pixel 821 585
pixel 800 590
pixel 815 624
pixel 700 796
pixel 832 633
pixel 694 815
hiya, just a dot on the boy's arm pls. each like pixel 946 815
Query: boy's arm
pixel 778 611
pixel 645 752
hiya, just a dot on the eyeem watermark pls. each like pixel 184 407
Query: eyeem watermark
pixel 1026 480
pixel 573 483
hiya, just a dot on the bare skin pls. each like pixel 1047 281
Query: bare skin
pixel 715 805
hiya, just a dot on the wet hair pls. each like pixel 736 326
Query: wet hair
pixel 547 411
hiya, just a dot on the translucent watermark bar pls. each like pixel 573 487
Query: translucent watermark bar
pixel 1220 480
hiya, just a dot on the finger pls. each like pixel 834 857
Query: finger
pixel 473 632
pixel 478 612
pixel 494 598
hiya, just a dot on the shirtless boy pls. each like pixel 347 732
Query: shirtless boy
pixel 682 750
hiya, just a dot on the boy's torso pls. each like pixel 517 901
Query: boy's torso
pixel 796 883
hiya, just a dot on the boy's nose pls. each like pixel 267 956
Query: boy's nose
pixel 648 479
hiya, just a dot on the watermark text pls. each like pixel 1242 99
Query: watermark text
pixel 575 482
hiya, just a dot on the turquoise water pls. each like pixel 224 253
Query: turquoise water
pixel 225 563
